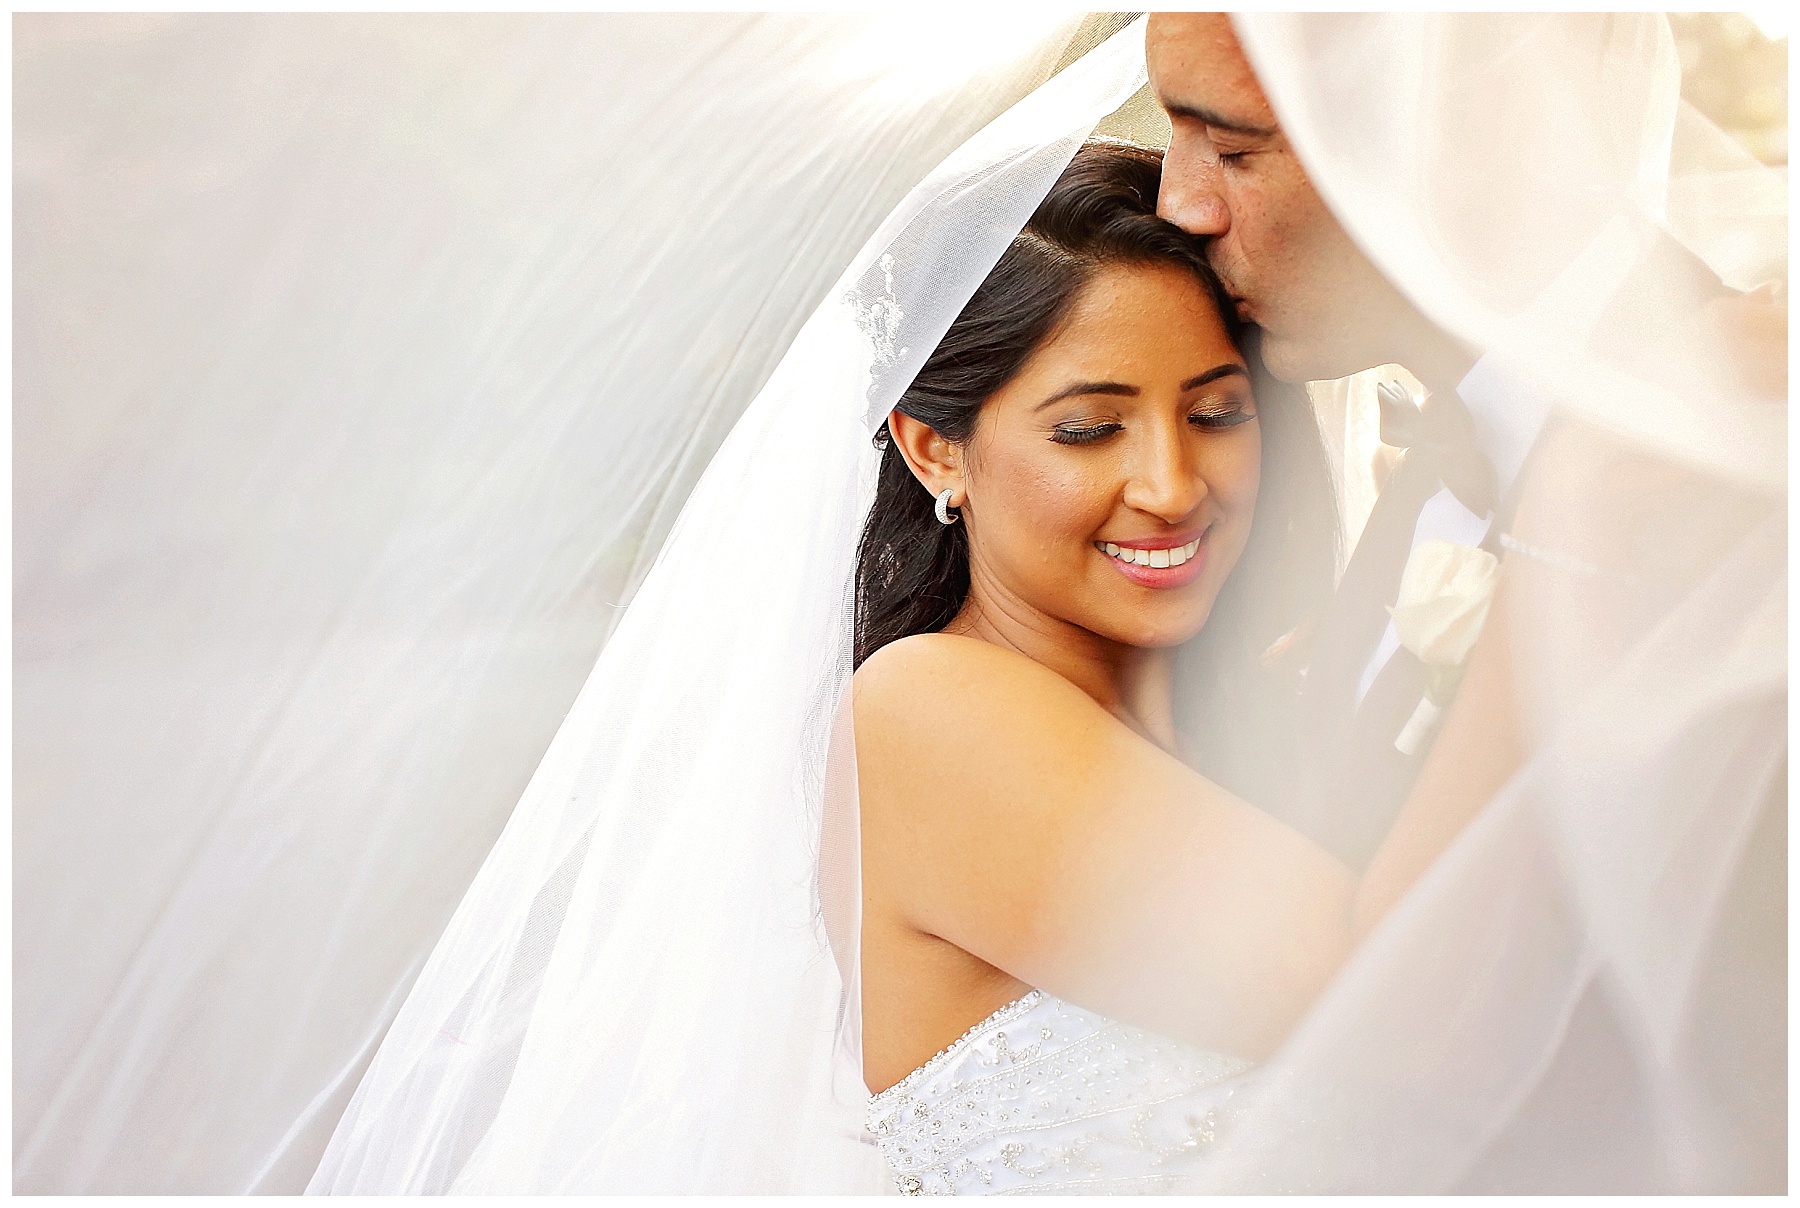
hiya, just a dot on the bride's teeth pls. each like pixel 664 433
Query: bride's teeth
pixel 1157 558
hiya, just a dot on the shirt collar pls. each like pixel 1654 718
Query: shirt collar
pixel 1507 411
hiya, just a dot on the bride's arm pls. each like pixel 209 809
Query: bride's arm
pixel 1013 817
pixel 1005 812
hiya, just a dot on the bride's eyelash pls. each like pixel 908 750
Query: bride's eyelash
pixel 1214 421
pixel 1209 421
pixel 1083 436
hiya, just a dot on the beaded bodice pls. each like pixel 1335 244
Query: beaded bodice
pixel 1043 1096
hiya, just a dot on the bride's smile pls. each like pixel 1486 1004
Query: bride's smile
pixel 1156 554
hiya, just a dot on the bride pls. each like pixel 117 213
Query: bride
pixel 1029 829
pixel 1091 437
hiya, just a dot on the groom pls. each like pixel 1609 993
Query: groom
pixel 1325 311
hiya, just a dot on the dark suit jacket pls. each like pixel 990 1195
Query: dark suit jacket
pixel 1350 779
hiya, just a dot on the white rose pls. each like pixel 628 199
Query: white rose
pixel 1444 596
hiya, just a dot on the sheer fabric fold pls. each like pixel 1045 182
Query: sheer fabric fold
pixel 349 417
pixel 638 992
pixel 1587 992
pixel 362 365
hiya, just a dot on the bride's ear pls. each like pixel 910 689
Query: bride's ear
pixel 937 463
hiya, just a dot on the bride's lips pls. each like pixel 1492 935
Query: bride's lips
pixel 1181 558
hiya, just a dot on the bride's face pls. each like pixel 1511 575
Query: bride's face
pixel 1111 483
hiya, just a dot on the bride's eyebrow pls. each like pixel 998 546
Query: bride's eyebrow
pixel 1089 388
pixel 1214 374
pixel 1120 388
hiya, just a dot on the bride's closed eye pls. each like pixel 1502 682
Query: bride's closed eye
pixel 1211 419
pixel 1083 434
pixel 1226 415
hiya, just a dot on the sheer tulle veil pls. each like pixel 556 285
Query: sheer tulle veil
pixel 638 994
pixel 1587 991
pixel 362 365
pixel 694 835
pixel 286 576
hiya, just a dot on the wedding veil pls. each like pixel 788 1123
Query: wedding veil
pixel 1600 946
pixel 637 993
pixel 243 800
pixel 362 363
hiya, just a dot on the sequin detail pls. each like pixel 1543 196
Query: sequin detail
pixel 1043 1096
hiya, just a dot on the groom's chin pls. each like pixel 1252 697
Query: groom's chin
pixel 1286 360
pixel 1298 361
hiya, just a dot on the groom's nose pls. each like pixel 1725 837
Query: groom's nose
pixel 1190 196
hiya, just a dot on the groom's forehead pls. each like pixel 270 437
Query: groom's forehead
pixel 1200 70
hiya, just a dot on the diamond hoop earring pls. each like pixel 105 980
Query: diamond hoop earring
pixel 943 507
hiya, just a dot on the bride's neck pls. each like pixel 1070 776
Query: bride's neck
pixel 1133 683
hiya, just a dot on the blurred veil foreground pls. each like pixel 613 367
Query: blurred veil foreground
pixel 1588 991
pixel 362 367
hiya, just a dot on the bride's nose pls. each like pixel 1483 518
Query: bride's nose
pixel 1165 478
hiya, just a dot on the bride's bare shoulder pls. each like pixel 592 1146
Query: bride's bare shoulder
pixel 953 695
pixel 942 667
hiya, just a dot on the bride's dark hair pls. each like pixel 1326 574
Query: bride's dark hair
pixel 912 573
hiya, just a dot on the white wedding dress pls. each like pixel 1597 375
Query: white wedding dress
pixel 1045 1097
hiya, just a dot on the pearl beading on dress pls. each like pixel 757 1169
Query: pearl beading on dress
pixel 1043 1096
